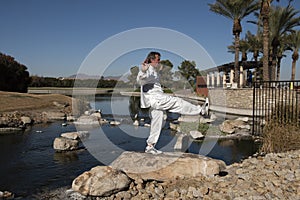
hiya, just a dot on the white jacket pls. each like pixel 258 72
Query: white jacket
pixel 149 76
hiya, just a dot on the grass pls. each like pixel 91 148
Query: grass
pixel 282 132
pixel 280 137
pixel 12 101
pixel 186 127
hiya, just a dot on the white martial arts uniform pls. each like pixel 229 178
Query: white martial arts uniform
pixel 153 96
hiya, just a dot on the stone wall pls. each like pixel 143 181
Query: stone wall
pixel 232 98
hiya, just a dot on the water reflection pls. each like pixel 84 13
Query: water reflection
pixel 65 157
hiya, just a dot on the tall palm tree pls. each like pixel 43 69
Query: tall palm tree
pixel 264 15
pixel 283 20
pixel 235 10
pixel 294 44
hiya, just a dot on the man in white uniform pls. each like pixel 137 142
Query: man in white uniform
pixel 153 96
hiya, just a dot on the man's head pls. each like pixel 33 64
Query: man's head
pixel 153 58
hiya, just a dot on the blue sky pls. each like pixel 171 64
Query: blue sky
pixel 56 38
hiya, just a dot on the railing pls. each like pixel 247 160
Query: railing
pixel 275 100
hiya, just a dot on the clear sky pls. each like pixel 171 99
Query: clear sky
pixel 55 38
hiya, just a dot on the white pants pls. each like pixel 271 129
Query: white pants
pixel 161 102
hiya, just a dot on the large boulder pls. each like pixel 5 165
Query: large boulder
pixel 230 126
pixel 101 181
pixel 75 135
pixel 166 166
pixel 65 144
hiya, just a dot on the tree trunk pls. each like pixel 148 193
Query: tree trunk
pixel 236 58
pixel 265 10
pixel 278 68
pixel 295 57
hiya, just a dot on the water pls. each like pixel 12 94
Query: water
pixel 29 163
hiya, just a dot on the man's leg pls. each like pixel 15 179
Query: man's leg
pixel 177 105
pixel 156 126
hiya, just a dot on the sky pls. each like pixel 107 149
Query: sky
pixel 59 38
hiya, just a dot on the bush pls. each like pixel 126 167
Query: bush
pixel 280 137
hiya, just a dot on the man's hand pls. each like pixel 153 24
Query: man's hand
pixel 144 67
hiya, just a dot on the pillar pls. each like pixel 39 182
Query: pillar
pixel 241 76
pixel 218 79
pixel 231 76
pixel 224 80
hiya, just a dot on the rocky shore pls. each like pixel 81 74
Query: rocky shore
pixel 18 110
pixel 273 176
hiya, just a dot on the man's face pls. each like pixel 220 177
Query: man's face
pixel 155 61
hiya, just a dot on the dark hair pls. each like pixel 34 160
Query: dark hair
pixel 150 56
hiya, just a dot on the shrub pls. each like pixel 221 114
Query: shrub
pixel 282 131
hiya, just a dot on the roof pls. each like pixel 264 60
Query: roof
pixel 226 67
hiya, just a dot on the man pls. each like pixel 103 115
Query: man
pixel 153 96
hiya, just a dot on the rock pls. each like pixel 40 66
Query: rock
pixel 147 125
pixel 230 126
pixel 97 114
pixel 114 123
pixel 166 166
pixel 196 135
pixel 54 115
pixel 75 135
pixel 136 123
pixel 188 118
pixel 26 120
pixel 87 120
pixel 65 144
pixel 6 195
pixel 101 181
pixel 71 118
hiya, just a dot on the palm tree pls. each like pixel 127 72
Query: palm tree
pixel 255 43
pixel 244 49
pixel 235 10
pixel 294 44
pixel 282 21
pixel 264 15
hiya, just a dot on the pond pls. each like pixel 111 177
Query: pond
pixel 29 163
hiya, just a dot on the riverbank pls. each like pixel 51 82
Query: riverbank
pixel 20 109
pixel 273 176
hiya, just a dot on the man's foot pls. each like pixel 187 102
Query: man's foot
pixel 205 108
pixel 152 150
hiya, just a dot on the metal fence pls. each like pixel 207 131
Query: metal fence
pixel 275 101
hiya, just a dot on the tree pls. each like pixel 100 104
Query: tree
pixel 166 74
pixel 132 77
pixel 189 72
pixel 255 44
pixel 235 10
pixel 294 45
pixel 14 76
pixel 283 20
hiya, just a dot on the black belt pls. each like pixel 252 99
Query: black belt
pixel 148 87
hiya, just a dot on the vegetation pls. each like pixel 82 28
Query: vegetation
pixel 279 137
pixel 294 45
pixel 37 81
pixel 14 76
pixel 281 132
pixel 236 11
